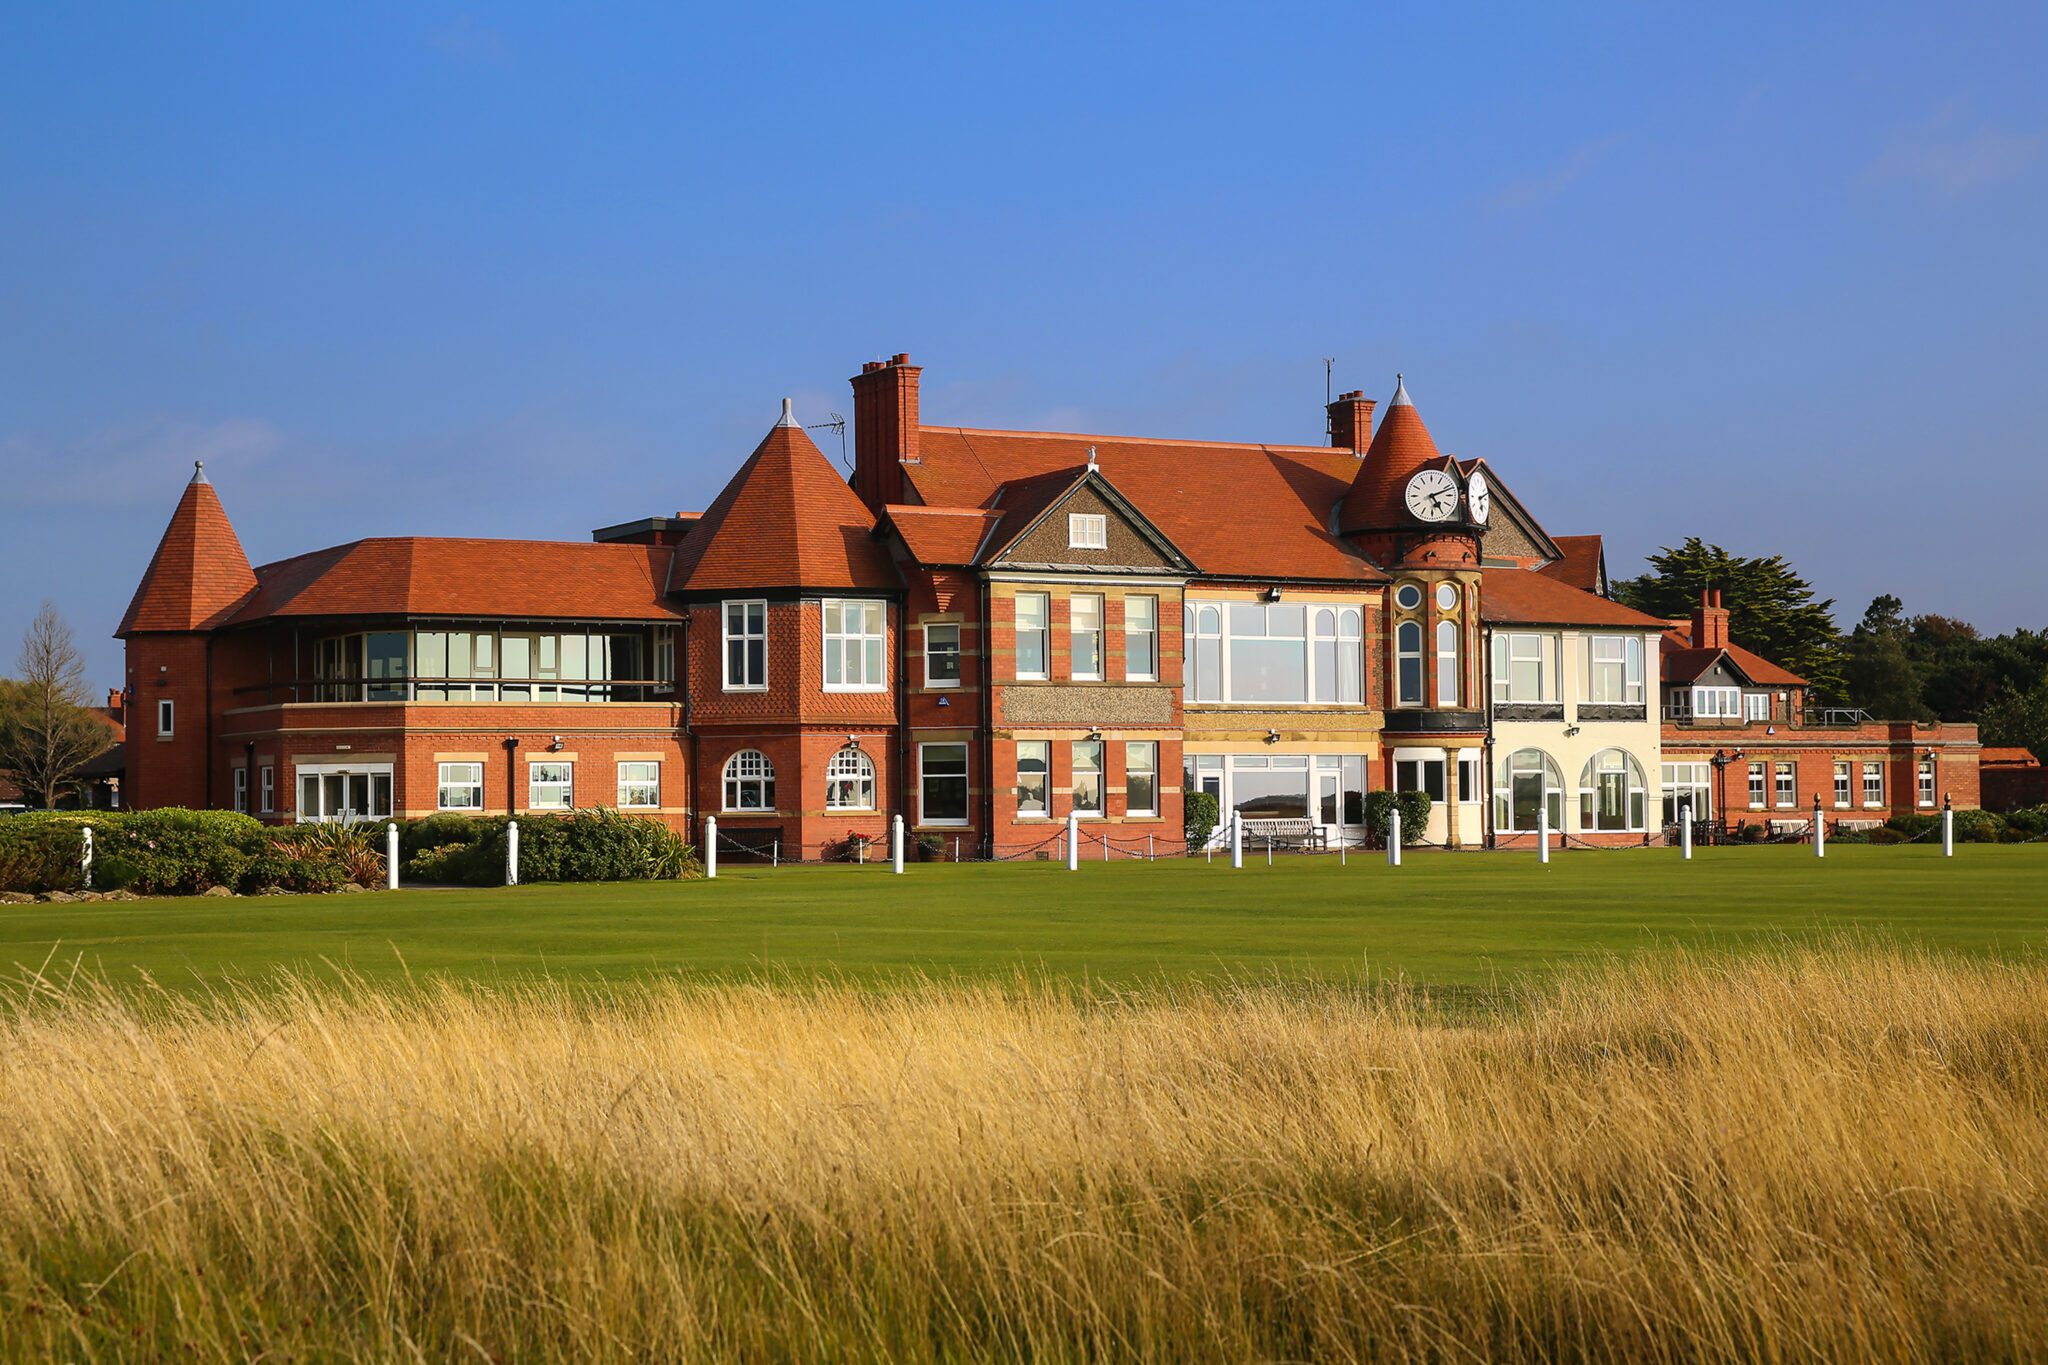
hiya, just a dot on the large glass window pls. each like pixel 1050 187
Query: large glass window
pixel 1270 787
pixel 1204 623
pixel 1408 658
pixel 749 781
pixel 1447 663
pixel 1614 670
pixel 1034 762
pixel 1084 633
pixel 1034 634
pixel 1268 652
pixel 1529 780
pixel 746 646
pixel 462 787
pixel 850 781
pixel 1141 778
pixel 1337 661
pixel 1088 776
pixel 550 786
pixel 853 647
pixel 1524 669
pixel 1688 784
pixel 1280 652
pixel 941 655
pixel 1141 638
pixel 942 784
pixel 385 651
pixel 640 786
pixel 1420 775
pixel 1611 792
pixel 1717 703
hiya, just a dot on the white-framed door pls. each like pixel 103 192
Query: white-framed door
pixel 343 792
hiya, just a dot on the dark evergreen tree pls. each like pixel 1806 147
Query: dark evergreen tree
pixel 1771 609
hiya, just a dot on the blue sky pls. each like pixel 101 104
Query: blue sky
pixel 1769 275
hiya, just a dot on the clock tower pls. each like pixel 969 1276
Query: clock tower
pixel 1416 514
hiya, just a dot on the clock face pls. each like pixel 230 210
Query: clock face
pixel 1432 495
pixel 1479 496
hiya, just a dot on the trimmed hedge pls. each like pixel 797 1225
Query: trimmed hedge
pixel 1972 826
pixel 177 852
pixel 1414 807
pixel 595 845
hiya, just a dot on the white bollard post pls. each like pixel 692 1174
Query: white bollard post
pixel 1269 850
pixel 1343 845
pixel 512 853
pixel 1543 829
pixel 1236 839
pixel 1105 844
pixel 85 858
pixel 710 846
pixel 1948 832
pixel 1149 857
pixel 391 856
pixel 1820 830
pixel 1685 831
pixel 1394 837
pixel 1073 841
pixel 896 845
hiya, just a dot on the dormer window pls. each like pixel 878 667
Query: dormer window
pixel 1087 531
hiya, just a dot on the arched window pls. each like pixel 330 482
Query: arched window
pixel 1528 779
pixel 1612 792
pixel 850 781
pixel 1408 645
pixel 1447 693
pixel 749 781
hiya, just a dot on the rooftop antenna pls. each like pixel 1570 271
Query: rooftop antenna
pixel 837 424
pixel 1329 418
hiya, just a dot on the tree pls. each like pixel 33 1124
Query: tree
pixel 2018 720
pixel 1771 609
pixel 46 730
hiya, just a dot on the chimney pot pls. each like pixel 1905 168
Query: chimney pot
pixel 900 358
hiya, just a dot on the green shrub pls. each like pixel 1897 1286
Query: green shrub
pixel 1414 808
pixel 1912 825
pixel 1972 826
pixel 1883 835
pixel 41 854
pixel 1199 814
pixel 438 831
pixel 2030 822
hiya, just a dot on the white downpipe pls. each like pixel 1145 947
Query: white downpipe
pixel 710 846
pixel 391 856
pixel 896 845
pixel 512 853
pixel 1073 841
pixel 1820 831
pixel 1236 839
pixel 1685 831
pixel 1543 828
pixel 85 858
pixel 1948 833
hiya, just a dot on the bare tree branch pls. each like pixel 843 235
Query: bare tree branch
pixel 46 728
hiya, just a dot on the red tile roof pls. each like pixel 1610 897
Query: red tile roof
pixel 1528 597
pixel 1683 663
pixel 2008 758
pixel 786 520
pixel 1401 446
pixel 1254 511
pixel 942 535
pixel 505 579
pixel 1580 566
pixel 199 571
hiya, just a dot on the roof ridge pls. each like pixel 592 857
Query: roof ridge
pixel 1143 440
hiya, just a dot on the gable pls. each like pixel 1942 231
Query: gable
pixel 1129 544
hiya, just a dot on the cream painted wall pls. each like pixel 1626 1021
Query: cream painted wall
pixel 1642 739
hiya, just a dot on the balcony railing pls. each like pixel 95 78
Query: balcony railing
pixel 532 691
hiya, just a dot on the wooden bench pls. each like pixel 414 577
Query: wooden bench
pixel 1286 833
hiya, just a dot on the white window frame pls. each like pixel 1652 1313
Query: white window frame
pixel 166 718
pixel 1635 794
pixel 267 787
pixel 1150 750
pixel 1099 809
pixel 1087 531
pixel 241 791
pixel 924 780
pixel 1043 755
pixel 458 777
pixel 1785 784
pixel 746 637
pixel 664 659
pixel 850 765
pixel 1927 783
pixel 1614 664
pixel 1402 654
pixel 1448 676
pixel 1759 789
pixel 1217 643
pixel 738 774
pixel 1756 706
pixel 1043 630
pixel 631 785
pixel 1098 604
pixel 1552 795
pixel 1519 648
pixel 1717 703
pixel 1685 779
pixel 1844 777
pixel 1873 779
pixel 1469 773
pixel 930 653
pixel 1141 641
pixel 861 638
pixel 538 787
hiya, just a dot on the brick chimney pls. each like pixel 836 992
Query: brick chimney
pixel 1710 621
pixel 884 428
pixel 1351 420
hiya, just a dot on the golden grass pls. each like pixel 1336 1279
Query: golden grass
pixel 1828 1153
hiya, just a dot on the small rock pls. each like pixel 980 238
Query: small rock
pixel 88 895
pixel 122 896
pixel 56 898
pixel 273 891
pixel 16 898
pixel 218 891
pixel 348 886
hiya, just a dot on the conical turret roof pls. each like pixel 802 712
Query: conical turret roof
pixel 199 572
pixel 1400 446
pixel 786 520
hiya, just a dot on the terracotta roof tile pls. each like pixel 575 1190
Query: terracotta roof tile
pixel 199 572
pixel 942 535
pixel 1400 446
pixel 1683 663
pixel 785 520
pixel 1255 511
pixel 1580 566
pixel 1528 597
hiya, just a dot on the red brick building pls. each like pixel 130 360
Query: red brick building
pixel 983 631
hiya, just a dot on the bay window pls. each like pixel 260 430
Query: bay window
pixel 1420 775
pixel 854 636
pixel 1034 634
pixel 746 646
pixel 1084 635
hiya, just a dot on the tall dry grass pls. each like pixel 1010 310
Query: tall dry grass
pixel 1834 1153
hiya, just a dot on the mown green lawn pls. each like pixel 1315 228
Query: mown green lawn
pixel 1467 919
